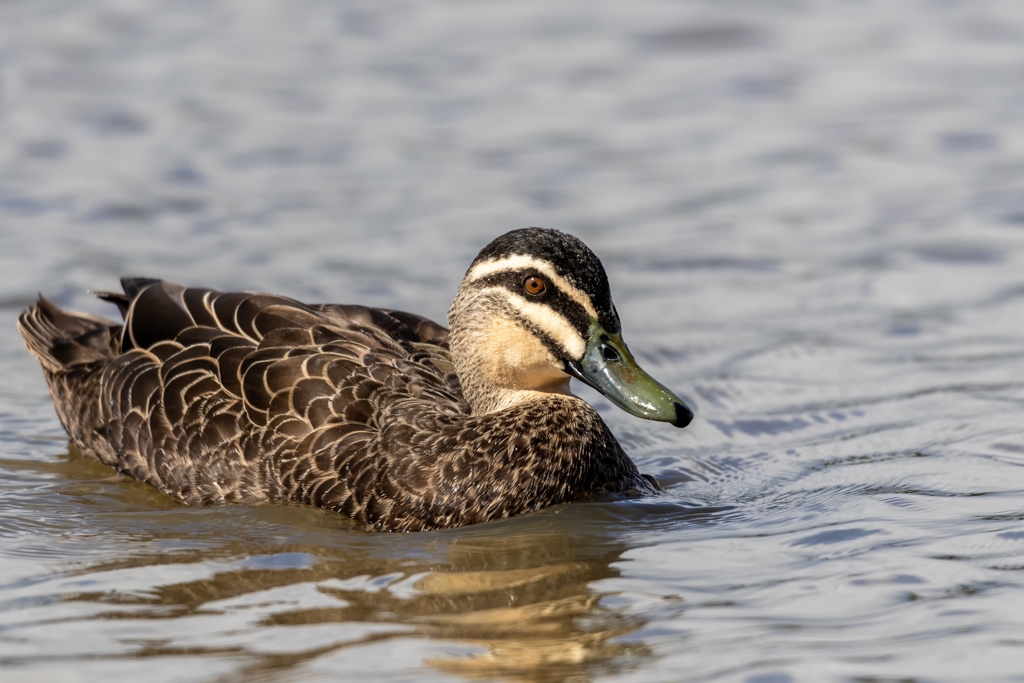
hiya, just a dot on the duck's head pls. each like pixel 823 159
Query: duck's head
pixel 534 310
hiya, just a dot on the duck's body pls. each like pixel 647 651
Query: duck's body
pixel 248 398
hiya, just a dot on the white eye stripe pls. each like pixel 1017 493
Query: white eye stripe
pixel 553 324
pixel 523 261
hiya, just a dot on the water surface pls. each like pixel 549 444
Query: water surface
pixel 812 215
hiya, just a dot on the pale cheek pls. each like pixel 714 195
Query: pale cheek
pixel 519 360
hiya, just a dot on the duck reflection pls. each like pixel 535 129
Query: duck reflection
pixel 543 620
pixel 519 601
pixel 543 638
pixel 527 604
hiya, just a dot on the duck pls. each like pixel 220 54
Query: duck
pixel 383 416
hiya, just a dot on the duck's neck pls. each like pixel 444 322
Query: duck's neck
pixel 494 399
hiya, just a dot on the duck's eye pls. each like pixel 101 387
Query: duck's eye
pixel 534 285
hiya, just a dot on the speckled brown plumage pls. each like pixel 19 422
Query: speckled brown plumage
pixel 219 398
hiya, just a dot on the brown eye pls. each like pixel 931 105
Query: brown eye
pixel 534 285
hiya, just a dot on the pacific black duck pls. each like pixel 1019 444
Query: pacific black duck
pixel 383 416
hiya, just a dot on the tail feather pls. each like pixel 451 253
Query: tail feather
pixel 118 299
pixel 62 339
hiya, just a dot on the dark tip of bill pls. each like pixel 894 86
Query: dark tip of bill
pixel 683 415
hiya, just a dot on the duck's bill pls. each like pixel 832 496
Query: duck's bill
pixel 608 366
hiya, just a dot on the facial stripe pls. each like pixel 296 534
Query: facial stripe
pixel 553 297
pixel 524 261
pixel 551 323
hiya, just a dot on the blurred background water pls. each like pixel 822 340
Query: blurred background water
pixel 812 215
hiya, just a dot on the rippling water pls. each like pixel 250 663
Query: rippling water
pixel 812 214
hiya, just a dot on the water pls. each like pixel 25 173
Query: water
pixel 812 214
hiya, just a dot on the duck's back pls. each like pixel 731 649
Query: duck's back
pixel 244 398
pixel 199 391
